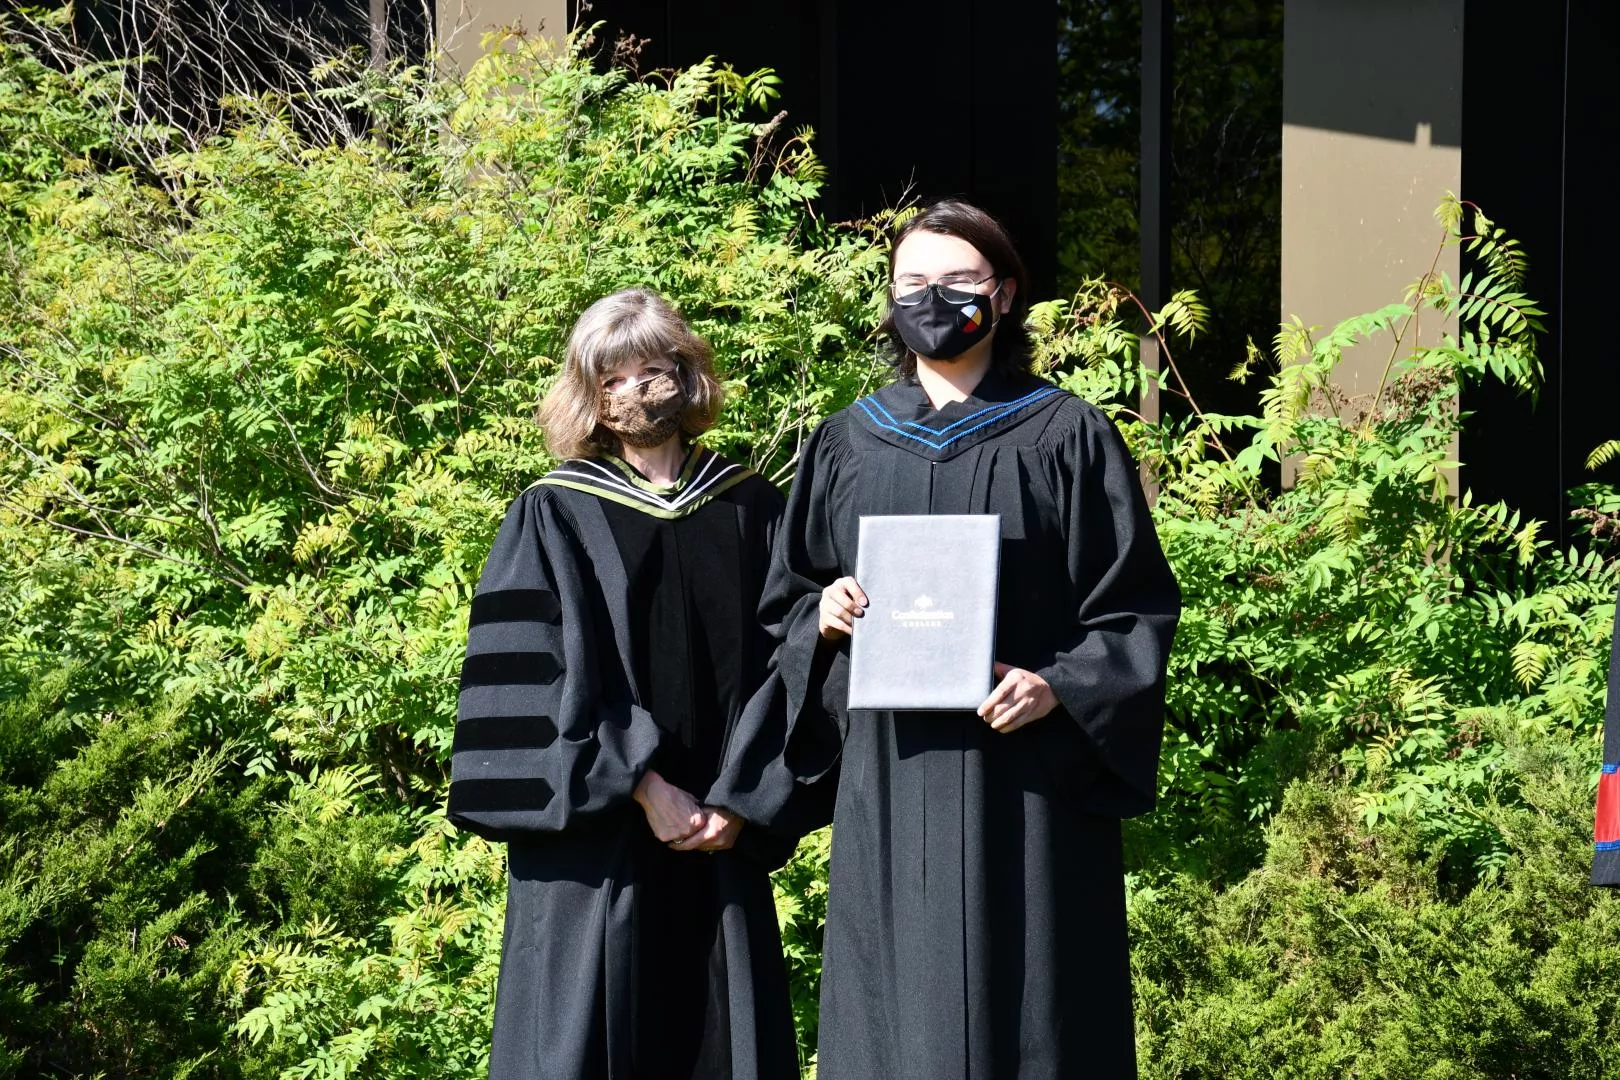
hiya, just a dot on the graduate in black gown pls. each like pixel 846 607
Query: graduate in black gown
pixel 976 913
pixel 612 644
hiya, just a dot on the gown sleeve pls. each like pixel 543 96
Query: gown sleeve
pixel 1109 670
pixel 1606 828
pixel 780 767
pixel 538 745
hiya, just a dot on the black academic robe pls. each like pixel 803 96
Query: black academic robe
pixel 1606 826
pixel 976 916
pixel 613 630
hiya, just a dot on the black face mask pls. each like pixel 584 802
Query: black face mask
pixel 941 330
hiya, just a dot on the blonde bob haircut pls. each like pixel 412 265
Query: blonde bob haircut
pixel 632 324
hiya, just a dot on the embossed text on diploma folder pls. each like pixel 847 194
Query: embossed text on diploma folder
pixel 929 631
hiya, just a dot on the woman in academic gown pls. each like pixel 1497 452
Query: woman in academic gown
pixel 611 646
pixel 976 913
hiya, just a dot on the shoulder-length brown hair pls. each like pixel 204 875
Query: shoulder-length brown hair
pixel 1010 351
pixel 632 324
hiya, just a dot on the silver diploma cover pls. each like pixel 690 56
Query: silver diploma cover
pixel 928 636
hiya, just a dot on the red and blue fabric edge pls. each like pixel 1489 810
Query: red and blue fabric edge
pixel 1606 820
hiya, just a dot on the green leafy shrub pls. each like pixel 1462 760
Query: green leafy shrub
pixel 263 403
pixel 1366 620
pixel 1383 708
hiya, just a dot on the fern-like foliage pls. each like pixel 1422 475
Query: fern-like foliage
pixel 264 400
pixel 1603 453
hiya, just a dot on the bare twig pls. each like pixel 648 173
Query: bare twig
pixel 238 579
pixel 1417 307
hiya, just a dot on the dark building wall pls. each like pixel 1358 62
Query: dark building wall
pixel 957 97
pixel 1587 329
pixel 1538 127
pixel 1510 445
pixel 960 97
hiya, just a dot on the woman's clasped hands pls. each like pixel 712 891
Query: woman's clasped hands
pixel 680 821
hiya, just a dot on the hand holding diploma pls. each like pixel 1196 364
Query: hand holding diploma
pixel 1020 697
pixel 842 603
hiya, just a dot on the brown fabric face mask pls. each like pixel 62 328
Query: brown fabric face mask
pixel 647 414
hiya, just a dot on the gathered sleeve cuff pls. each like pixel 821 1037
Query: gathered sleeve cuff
pixel 781 764
pixel 1109 674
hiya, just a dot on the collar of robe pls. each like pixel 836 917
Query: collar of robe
pixel 902 415
pixel 703 476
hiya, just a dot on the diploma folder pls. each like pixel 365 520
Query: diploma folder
pixel 927 638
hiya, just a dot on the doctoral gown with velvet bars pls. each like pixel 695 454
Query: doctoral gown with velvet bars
pixel 976 916
pixel 613 630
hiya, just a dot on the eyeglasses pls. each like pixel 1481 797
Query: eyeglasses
pixel 955 289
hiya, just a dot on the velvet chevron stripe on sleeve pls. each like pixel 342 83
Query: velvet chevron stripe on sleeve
pixel 540 741
pixel 500 732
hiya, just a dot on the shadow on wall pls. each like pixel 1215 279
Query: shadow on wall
pixel 1385 68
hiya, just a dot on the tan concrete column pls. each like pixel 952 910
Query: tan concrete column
pixel 1372 134
pixel 461 24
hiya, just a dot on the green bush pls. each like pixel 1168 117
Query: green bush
pixel 1383 708
pixel 115 914
pixel 263 401
pixel 1345 954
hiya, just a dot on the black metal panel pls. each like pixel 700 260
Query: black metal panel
pixel 957 97
pixel 1509 447
pixel 1157 90
pixel 1158 17
pixel 1538 123
pixel 1591 361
